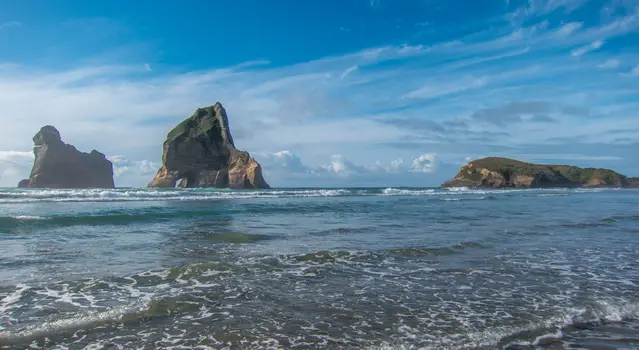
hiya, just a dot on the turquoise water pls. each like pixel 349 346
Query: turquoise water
pixel 319 268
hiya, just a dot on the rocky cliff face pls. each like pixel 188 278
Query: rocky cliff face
pixel 504 173
pixel 59 165
pixel 200 152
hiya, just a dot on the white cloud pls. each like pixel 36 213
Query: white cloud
pixel 331 105
pixel 569 28
pixel 16 157
pixel 595 45
pixel 426 163
pixel 396 164
pixel 342 166
pixel 610 64
pixel 10 24
pixel 284 166
pixel 537 8
pixel 441 89
pixel 136 173
pixel 123 166
pixel 573 157
pixel 348 71
pixel 14 166
pixel 283 160
pixel 412 49
pixel 492 58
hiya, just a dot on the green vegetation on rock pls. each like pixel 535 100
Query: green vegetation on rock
pixel 202 121
pixel 495 172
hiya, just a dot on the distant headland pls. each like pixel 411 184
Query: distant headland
pixel 494 172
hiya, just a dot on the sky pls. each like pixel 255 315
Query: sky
pixel 326 93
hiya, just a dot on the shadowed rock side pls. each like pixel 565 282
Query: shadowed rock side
pixel 200 152
pixel 495 172
pixel 23 183
pixel 59 165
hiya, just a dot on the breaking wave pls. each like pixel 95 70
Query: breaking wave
pixel 126 194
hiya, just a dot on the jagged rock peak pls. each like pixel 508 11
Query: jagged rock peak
pixel 200 152
pixel 48 134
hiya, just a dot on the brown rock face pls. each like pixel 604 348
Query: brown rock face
pixel 495 172
pixel 200 152
pixel 59 165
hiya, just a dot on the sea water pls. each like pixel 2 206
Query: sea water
pixel 394 268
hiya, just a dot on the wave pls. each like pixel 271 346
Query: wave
pixel 143 194
pixel 457 199
pixel 119 195
pixel 406 192
pixel 114 217
pixel 101 195
pixel 553 329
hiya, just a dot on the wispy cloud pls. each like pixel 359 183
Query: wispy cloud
pixel 537 8
pixel 442 89
pixel 609 64
pixel 515 112
pixel 595 45
pixel 348 71
pixel 375 4
pixel 373 112
pixel 10 24
pixel 569 28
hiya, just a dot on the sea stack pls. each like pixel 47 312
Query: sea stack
pixel 59 165
pixel 199 152
pixel 496 172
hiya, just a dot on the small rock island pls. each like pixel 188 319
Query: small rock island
pixel 59 165
pixel 200 152
pixel 494 172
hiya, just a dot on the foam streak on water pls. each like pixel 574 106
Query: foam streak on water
pixel 378 268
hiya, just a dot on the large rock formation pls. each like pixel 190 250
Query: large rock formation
pixel 58 165
pixel 495 172
pixel 200 152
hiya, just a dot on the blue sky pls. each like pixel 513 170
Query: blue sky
pixel 327 93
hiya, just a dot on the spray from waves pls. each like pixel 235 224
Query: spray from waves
pixel 199 299
pixel 553 329
pixel 115 195
pixel 406 192
pixel 557 327
pixel 68 326
pixel 131 194
pixel 28 217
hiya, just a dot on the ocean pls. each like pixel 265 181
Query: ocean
pixel 363 268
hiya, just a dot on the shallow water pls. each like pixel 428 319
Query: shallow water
pixel 319 268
